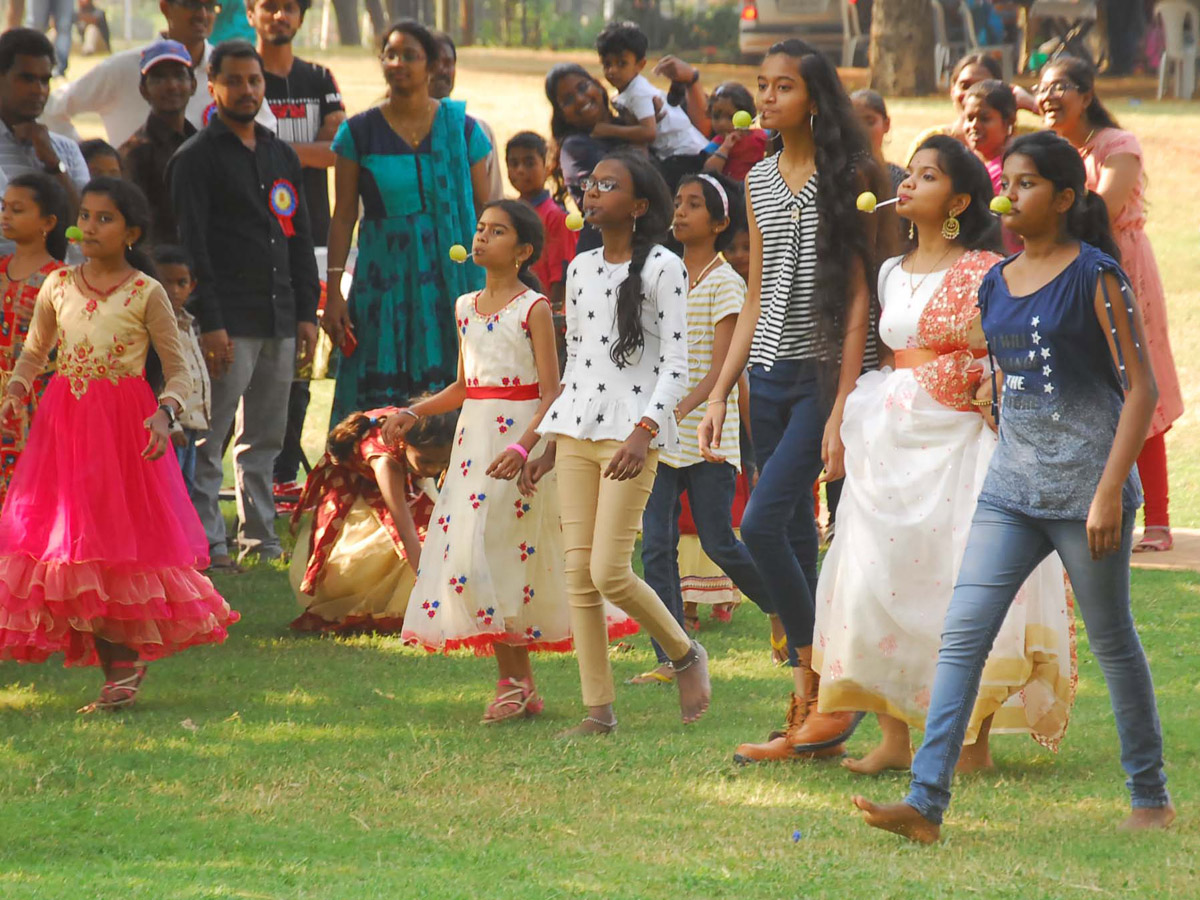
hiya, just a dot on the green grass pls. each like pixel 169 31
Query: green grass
pixel 280 766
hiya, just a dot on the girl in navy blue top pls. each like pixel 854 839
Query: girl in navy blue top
pixel 1078 394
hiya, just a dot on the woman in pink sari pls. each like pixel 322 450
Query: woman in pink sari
pixel 1113 161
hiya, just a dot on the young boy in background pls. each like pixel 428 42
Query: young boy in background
pixel 665 129
pixel 525 159
pixel 175 273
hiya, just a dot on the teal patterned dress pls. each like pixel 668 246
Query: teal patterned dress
pixel 417 203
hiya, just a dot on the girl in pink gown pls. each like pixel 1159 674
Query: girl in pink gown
pixel 99 544
pixel 1112 159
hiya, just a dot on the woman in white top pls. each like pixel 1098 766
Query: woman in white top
pixel 626 371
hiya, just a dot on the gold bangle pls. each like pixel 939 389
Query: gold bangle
pixel 980 404
pixel 715 402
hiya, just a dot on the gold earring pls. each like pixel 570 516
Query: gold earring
pixel 129 246
pixel 912 231
pixel 951 228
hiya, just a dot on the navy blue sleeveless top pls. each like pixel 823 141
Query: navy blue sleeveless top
pixel 1063 394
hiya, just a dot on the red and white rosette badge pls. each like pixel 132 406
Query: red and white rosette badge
pixel 207 115
pixel 283 204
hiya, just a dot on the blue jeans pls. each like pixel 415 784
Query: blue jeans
pixel 1003 549
pixel 187 459
pixel 787 416
pixel 710 488
pixel 63 14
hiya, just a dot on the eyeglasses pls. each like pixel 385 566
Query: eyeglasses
pixel 600 185
pixel 198 6
pixel 1055 88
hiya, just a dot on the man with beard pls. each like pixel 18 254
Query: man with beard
pixel 26 58
pixel 239 192
pixel 308 108
pixel 441 85
pixel 111 89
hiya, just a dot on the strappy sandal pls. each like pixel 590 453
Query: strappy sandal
pixel 521 701
pixel 654 676
pixel 118 694
pixel 722 612
pixel 1160 544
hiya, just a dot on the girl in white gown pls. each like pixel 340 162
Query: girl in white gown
pixel 917 448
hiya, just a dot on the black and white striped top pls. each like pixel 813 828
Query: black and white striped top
pixel 787 323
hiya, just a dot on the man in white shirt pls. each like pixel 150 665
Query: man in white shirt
pixel 112 88
pixel 26 59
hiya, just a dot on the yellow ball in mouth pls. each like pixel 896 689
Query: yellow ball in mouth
pixel 574 221
pixel 458 253
pixel 1000 205
pixel 74 233
pixel 866 201
pixel 742 119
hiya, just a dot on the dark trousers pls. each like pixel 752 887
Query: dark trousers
pixel 787 415
pixel 710 488
pixel 287 463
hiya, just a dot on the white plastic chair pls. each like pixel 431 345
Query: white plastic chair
pixel 1006 52
pixel 852 34
pixel 1179 23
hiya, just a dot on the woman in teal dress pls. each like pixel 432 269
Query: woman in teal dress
pixel 417 166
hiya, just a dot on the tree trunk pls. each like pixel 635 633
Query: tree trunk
pixel 902 48
pixel 346 12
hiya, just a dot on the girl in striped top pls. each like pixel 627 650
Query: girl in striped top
pixel 804 332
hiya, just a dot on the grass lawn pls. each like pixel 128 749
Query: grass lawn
pixel 296 767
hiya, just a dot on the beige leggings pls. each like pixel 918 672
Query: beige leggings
pixel 600 521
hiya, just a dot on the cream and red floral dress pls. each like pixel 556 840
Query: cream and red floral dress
pixel 492 564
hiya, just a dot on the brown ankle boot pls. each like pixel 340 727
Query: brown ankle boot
pixel 794 719
pixel 819 731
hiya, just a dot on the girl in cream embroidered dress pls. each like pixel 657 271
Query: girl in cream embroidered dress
pixel 916 454
pixel 96 541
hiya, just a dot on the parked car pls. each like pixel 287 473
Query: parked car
pixel 822 23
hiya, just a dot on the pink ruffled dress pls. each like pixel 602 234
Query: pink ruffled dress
pixel 95 541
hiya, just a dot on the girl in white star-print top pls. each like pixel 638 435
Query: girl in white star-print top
pixel 627 369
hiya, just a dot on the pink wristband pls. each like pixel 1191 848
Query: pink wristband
pixel 524 453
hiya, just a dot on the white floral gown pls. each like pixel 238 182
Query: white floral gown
pixel 492 564
pixel 916 455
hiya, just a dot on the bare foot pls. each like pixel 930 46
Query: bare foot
pixel 1148 819
pixel 882 758
pixel 899 818
pixel 695 690
pixel 974 758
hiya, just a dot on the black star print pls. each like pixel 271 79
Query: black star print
pixel 553 416
pixel 656 370
pixel 608 293
pixel 661 316
pixel 574 386
pixel 600 271
pixel 587 363
pixel 657 254
pixel 604 339
pixel 600 387
pixel 620 366
pixel 678 291
pixel 658 406
pixel 676 335
pixel 600 419
pixel 579 420
pixel 591 314
pixel 574 301
pixel 674 374
pixel 637 388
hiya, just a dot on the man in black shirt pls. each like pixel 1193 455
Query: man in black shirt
pixel 308 107
pixel 239 193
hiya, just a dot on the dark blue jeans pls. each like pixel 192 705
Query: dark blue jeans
pixel 710 488
pixel 787 415
pixel 187 459
pixel 1004 547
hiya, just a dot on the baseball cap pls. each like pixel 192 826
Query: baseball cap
pixel 164 51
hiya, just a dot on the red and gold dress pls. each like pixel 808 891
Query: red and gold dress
pixel 16 311
pixel 916 454
pixel 95 540
pixel 350 569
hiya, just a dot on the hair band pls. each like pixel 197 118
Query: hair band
pixel 720 191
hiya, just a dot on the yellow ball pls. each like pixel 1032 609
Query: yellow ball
pixel 458 253
pixel 866 201
pixel 574 221
pixel 74 233
pixel 742 119
pixel 1000 205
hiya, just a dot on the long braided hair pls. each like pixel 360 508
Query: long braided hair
pixel 650 229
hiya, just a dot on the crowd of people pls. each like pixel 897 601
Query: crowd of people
pixel 983 396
